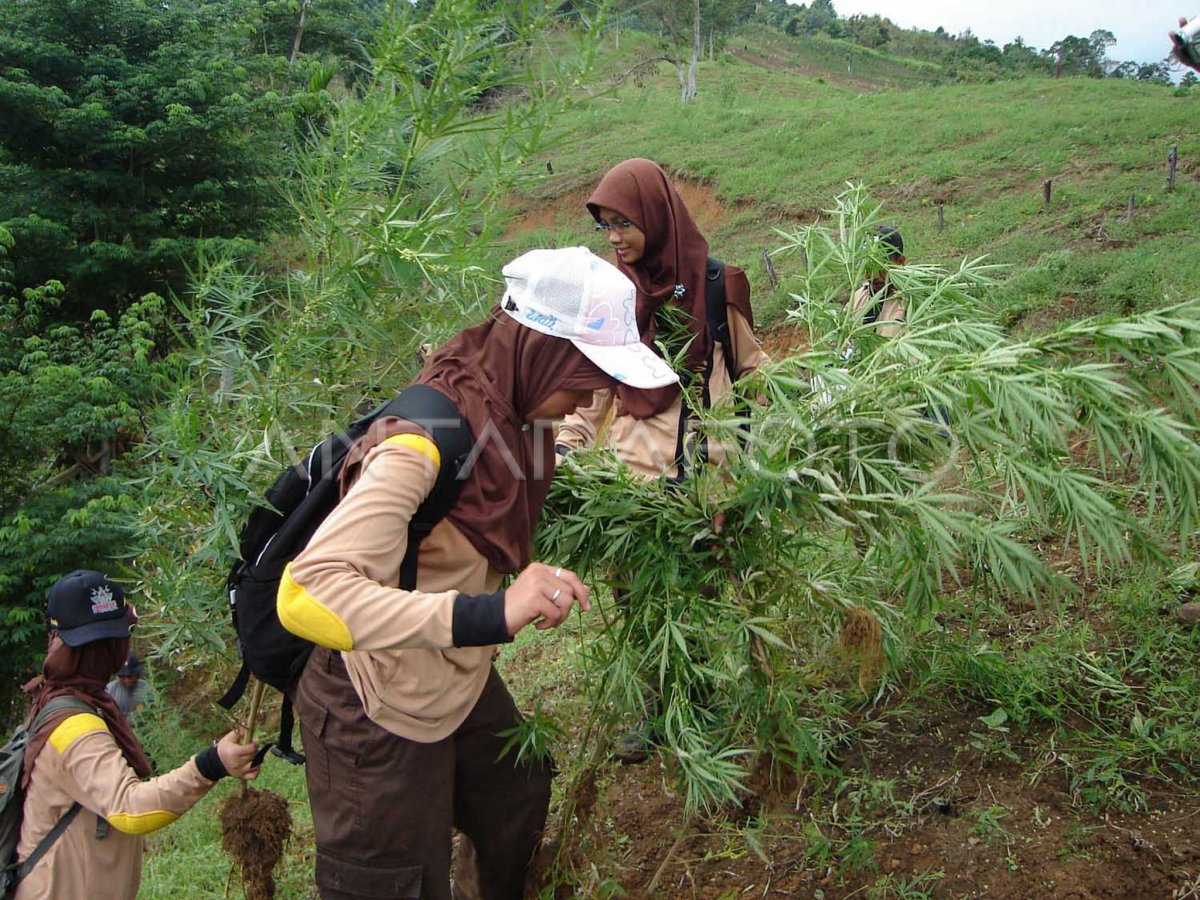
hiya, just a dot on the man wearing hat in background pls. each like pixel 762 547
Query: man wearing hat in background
pixel 83 771
pixel 129 688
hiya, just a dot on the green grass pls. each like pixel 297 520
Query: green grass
pixel 1110 679
pixel 185 859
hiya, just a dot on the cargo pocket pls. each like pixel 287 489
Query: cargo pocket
pixel 339 878
pixel 312 733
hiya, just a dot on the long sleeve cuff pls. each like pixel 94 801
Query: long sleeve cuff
pixel 479 620
pixel 208 761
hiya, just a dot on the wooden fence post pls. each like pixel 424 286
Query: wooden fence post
pixel 1172 159
pixel 771 276
pixel 941 218
pixel 1129 212
pixel 1047 186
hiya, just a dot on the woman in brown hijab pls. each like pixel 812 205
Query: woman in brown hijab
pixel 660 248
pixel 405 720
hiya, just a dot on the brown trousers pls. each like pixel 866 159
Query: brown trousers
pixel 383 806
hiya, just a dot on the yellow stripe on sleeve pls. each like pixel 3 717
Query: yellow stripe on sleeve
pixel 141 823
pixel 71 729
pixel 417 442
pixel 305 616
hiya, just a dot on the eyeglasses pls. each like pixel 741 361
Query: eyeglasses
pixel 619 225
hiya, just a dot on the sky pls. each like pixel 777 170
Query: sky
pixel 1140 26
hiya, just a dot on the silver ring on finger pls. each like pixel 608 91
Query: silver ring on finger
pixel 554 597
pixel 558 572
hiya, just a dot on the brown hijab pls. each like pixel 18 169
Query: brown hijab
pixel 676 257
pixel 83 672
pixel 496 374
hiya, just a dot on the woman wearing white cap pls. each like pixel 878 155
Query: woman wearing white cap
pixel 400 708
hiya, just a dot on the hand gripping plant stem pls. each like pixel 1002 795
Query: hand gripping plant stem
pixel 252 720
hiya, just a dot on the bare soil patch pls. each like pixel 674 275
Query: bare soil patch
pixel 709 211
pixel 978 825
pixel 783 339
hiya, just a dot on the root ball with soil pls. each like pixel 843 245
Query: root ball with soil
pixel 255 826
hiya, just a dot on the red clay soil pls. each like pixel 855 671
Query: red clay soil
pixel 782 340
pixel 708 211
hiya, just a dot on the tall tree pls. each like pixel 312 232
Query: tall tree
pixel 69 403
pixel 133 135
pixel 682 25
pixel 1081 56
pixel 333 28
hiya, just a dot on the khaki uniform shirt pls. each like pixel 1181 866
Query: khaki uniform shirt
pixel 649 445
pixel 891 314
pixel 342 592
pixel 82 762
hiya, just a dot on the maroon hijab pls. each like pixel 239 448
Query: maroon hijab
pixel 496 373
pixel 83 672
pixel 676 256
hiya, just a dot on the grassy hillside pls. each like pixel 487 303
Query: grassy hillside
pixel 773 142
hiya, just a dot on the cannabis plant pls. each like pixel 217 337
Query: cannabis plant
pixel 870 473
pixel 398 201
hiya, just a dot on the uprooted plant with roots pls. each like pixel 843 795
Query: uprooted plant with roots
pixel 255 827
pixel 865 474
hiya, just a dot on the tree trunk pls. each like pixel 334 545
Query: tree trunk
pixel 697 49
pixel 683 97
pixel 299 32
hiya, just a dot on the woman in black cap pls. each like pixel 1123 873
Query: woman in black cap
pixel 88 765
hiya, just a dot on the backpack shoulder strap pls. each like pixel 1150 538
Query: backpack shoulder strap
pixel 58 704
pixel 26 865
pixel 433 411
pixel 717 311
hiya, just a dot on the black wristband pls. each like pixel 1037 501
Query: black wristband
pixel 479 620
pixel 562 449
pixel 208 761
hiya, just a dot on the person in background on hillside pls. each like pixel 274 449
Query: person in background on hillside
pixel 404 717
pixel 660 248
pixel 94 760
pixel 881 304
pixel 130 689
pixel 877 300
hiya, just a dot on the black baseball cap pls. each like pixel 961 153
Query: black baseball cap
pixel 85 606
pixel 132 666
pixel 890 238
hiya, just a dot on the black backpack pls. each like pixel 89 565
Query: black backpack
pixel 12 798
pixel 296 504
